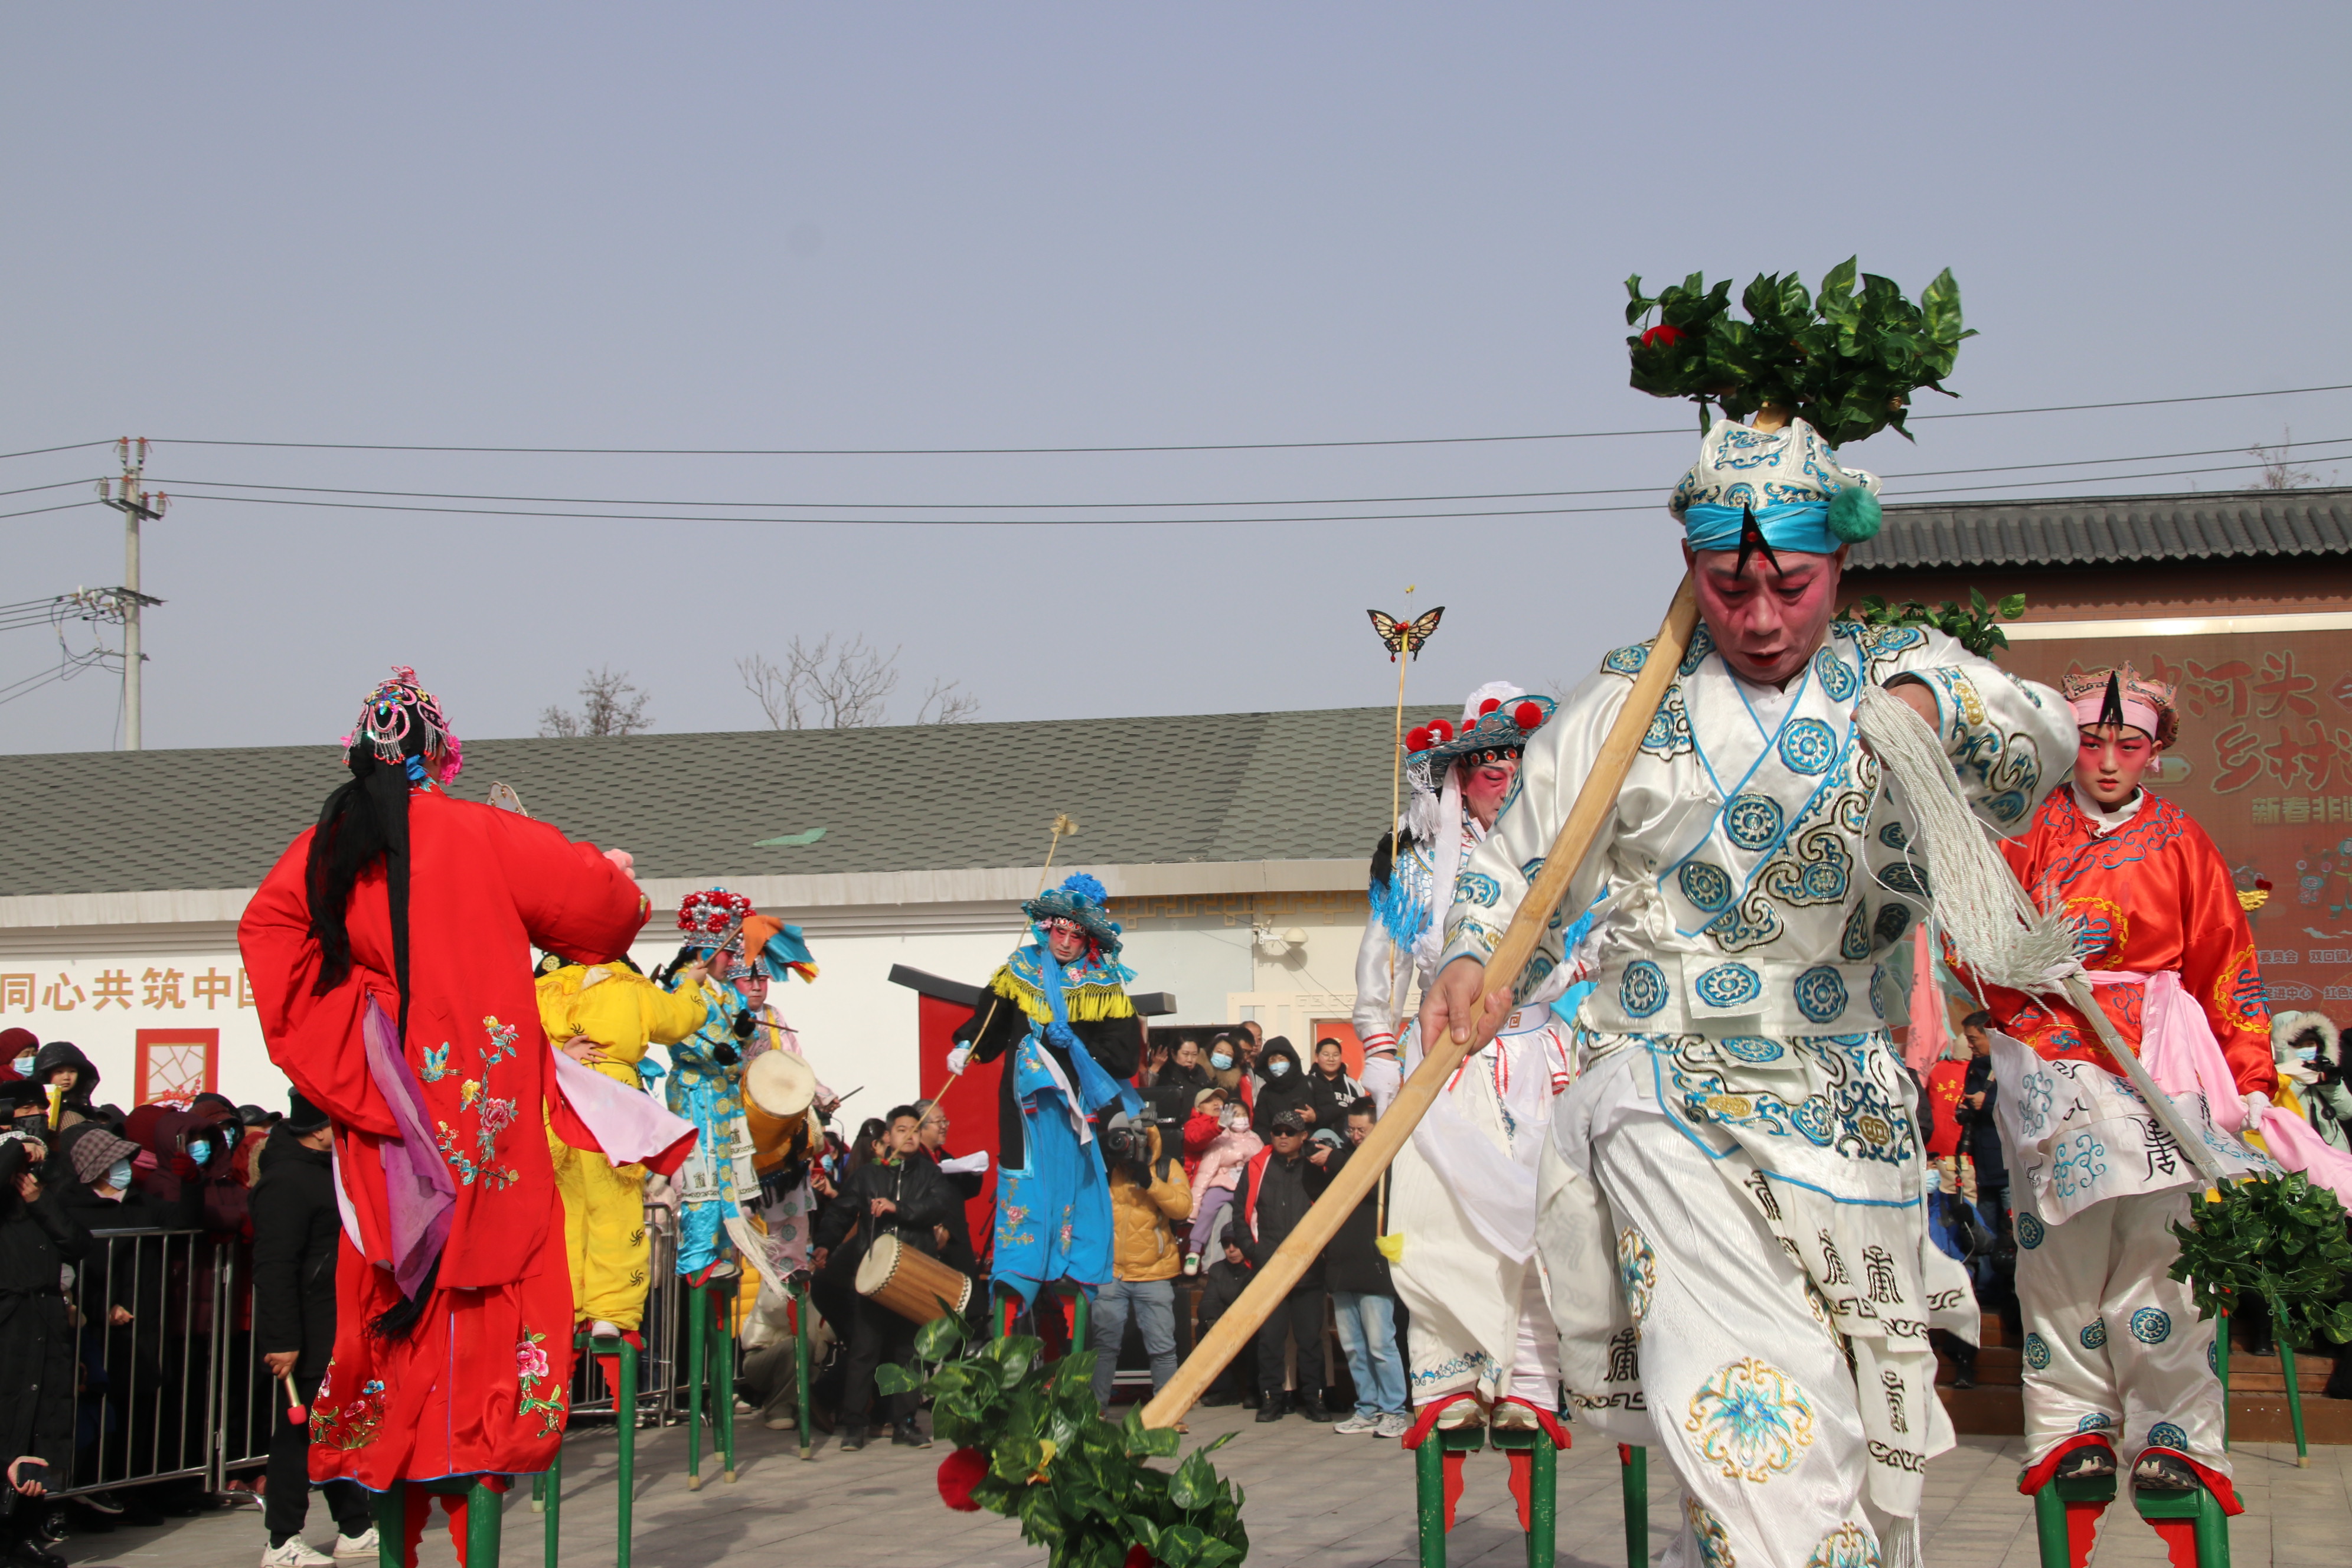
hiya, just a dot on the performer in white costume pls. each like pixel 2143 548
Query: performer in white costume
pixel 1464 1196
pixel 1739 1151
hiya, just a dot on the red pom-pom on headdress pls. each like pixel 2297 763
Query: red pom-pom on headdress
pixel 1489 706
pixel 1440 731
pixel 1416 739
pixel 1529 716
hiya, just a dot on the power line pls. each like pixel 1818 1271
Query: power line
pixel 69 447
pixel 62 506
pixel 1148 505
pixel 1683 429
pixel 1131 521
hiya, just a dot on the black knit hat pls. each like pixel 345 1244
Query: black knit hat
pixel 301 1116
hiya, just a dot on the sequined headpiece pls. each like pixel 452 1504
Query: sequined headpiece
pixel 712 920
pixel 2123 695
pixel 394 711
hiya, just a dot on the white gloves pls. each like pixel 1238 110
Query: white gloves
pixel 972 1164
pixel 957 1059
pixel 2252 1107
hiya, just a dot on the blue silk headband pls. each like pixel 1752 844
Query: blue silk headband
pixel 1799 525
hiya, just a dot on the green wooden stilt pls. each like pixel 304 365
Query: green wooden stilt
pixel 801 1362
pixel 483 1518
pixel 1543 1507
pixel 1078 1305
pixel 2222 1369
pixel 697 1324
pixel 2207 1527
pixel 1633 1482
pixel 2293 1405
pixel 722 1377
pixel 1429 1489
pixel 2066 1518
pixel 553 1481
pixel 539 1494
pixel 392 1526
pixel 624 1416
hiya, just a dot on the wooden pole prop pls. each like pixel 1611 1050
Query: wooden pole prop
pixel 1322 1220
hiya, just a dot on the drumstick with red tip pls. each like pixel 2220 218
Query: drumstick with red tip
pixel 296 1412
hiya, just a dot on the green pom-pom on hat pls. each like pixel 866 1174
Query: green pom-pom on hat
pixel 1854 514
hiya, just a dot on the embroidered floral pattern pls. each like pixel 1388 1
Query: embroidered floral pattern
pixel 1848 1546
pixel 352 1425
pixel 1714 1541
pixel 492 1116
pixel 537 1394
pixel 1751 1420
pixel 1637 1273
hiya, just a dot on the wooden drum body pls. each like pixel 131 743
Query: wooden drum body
pixel 915 1285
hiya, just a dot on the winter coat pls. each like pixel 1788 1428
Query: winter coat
pixel 1270 1201
pixel 1332 1097
pixel 1142 1214
pixel 66 1054
pixel 915 1184
pixel 37 1339
pixel 1290 1091
pixel 1221 1160
pixel 296 1235
pixel 1352 1261
pixel 1979 1136
pixel 1222 1284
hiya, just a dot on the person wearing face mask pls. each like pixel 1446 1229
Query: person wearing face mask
pixel 19 1050
pixel 38 1240
pixel 1218 1143
pixel 1738 1152
pixel 1058 1007
pixel 2116 1359
pixel 1282 1087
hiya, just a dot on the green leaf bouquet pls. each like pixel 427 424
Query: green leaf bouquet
pixel 1032 1444
pixel 1845 360
pixel 2281 1239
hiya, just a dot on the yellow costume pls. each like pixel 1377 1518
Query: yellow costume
pixel 604 1203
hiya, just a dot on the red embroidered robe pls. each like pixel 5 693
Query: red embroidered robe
pixel 2153 894
pixel 479 1385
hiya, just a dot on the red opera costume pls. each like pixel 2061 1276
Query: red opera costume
pixel 454 1316
pixel 2153 894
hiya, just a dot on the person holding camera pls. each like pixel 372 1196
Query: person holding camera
pixel 1363 1297
pixel 37 1238
pixel 1270 1198
pixel 1149 1195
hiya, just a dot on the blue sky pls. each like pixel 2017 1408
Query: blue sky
pixel 882 226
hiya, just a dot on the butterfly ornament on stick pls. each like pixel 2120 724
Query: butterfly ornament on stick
pixel 1405 636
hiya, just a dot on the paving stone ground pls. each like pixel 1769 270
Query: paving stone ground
pixel 1314 1498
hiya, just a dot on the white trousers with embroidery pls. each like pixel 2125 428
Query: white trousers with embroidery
pixel 1746 1382
pixel 2113 1343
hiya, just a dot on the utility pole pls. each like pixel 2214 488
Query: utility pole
pixel 137 505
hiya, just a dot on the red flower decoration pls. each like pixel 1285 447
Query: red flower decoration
pixel 1528 715
pixel 1137 1556
pixel 958 1473
pixel 1416 739
pixel 1489 706
pixel 1661 337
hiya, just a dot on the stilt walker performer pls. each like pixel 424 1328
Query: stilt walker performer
pixel 1462 1209
pixel 389 952
pixel 2117 1365
pixel 1059 1005
pixel 1739 1150
pixel 705 1084
pixel 773 953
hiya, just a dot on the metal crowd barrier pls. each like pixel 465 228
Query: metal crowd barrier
pixel 180 1388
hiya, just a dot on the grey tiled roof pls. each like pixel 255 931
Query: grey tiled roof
pixel 1209 787
pixel 2242 523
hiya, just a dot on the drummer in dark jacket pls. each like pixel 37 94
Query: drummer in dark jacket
pixel 37 1237
pixel 296 1234
pixel 901 1194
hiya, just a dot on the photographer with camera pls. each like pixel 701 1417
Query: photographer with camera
pixel 1149 1195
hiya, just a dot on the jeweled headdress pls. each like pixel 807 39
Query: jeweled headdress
pixel 398 709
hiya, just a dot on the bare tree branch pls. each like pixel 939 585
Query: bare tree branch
pixel 946 704
pixel 842 687
pixel 610 704
pixel 2278 474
